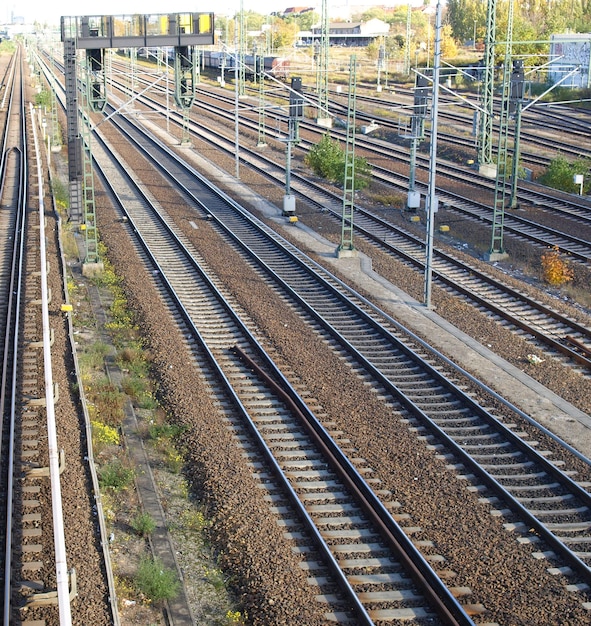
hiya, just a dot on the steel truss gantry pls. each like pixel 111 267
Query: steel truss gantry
pixel 94 34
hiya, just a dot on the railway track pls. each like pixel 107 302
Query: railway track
pixel 558 335
pixel 33 545
pixel 541 502
pixel 12 188
pixel 577 210
pixel 571 126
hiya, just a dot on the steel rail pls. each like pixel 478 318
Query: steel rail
pixel 9 398
pixel 61 567
pixel 249 247
pixel 581 495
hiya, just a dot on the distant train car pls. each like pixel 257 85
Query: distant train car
pixel 278 67
pixel 214 59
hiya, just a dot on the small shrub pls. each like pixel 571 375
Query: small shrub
pixel 173 459
pixel 327 159
pixel 214 577
pixel 60 193
pixel 143 524
pixel 184 489
pixel 72 287
pixel 555 268
pixel 43 99
pixel 134 386
pixel 123 589
pixel 129 354
pixel 132 359
pixel 115 476
pixel 155 581
pixel 560 174
pixel 121 315
pixel 69 243
pixel 148 401
pixel 109 507
pixel 235 617
pixel 388 199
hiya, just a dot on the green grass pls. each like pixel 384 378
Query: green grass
pixel 158 432
pixel 155 581
pixel 115 476
pixel 143 524
pixel 108 401
pixel 93 357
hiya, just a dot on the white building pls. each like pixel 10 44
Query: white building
pixel 570 59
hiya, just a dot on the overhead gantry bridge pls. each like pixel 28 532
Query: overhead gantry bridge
pixel 94 34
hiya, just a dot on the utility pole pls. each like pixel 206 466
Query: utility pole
pixel 236 99
pixel 184 85
pixel 497 248
pixel 241 47
pixel 516 106
pixel 260 71
pixel 432 199
pixel 421 96
pixel 56 136
pixel 381 64
pixel 407 43
pixel 296 113
pixel 90 101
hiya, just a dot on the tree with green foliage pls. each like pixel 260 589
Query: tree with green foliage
pixel 373 13
pixel 560 174
pixel 362 173
pixel 327 159
pixel 449 49
pixel 283 33
pixel 462 15
pixel 43 99
pixel 532 20
pixel 304 21
pixel 397 19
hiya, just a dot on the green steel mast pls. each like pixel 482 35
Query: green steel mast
pixel 485 133
pixel 346 246
pixel 497 249
pixel 322 69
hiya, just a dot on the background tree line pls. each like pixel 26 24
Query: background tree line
pixel 463 20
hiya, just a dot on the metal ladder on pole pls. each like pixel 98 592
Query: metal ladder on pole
pixel 349 179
